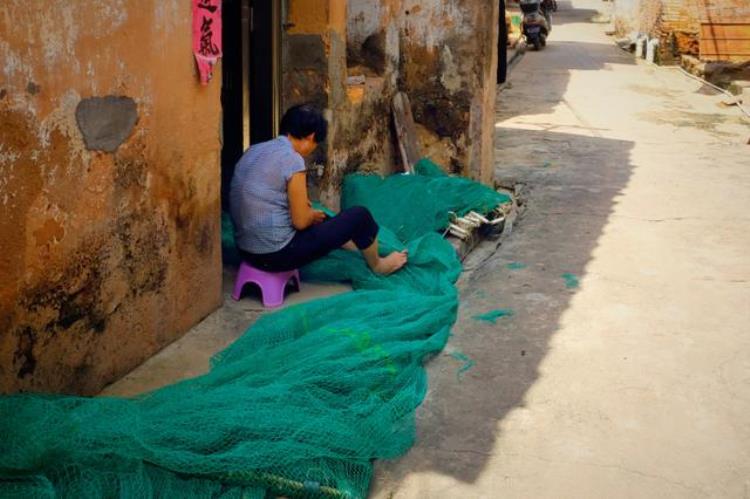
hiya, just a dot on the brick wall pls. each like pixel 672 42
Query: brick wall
pixel 676 23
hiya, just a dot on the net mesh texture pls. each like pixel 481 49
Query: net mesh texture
pixel 299 406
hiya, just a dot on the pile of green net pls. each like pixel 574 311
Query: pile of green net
pixel 299 406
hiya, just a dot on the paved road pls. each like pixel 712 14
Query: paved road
pixel 625 369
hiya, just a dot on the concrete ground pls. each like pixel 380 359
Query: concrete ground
pixel 625 368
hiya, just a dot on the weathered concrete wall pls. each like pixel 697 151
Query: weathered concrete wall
pixel 105 255
pixel 448 66
pixel 306 52
pixel 441 52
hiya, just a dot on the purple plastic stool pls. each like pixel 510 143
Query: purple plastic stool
pixel 271 284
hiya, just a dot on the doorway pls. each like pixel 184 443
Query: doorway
pixel 250 79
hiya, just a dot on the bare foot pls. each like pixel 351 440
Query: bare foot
pixel 391 263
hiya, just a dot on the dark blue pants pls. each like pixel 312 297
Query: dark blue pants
pixel 353 224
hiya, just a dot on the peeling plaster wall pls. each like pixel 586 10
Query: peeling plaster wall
pixel 105 257
pixel 441 52
pixel 448 67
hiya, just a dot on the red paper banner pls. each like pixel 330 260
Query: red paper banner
pixel 206 36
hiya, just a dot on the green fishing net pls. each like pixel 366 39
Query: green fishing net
pixel 299 406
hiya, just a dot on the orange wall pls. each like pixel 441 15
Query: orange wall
pixel 104 257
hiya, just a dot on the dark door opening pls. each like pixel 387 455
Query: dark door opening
pixel 502 45
pixel 248 96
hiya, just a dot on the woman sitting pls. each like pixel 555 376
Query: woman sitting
pixel 276 227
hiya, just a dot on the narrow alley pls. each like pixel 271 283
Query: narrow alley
pixel 622 365
pixel 283 249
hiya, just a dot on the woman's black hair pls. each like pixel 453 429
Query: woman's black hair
pixel 302 120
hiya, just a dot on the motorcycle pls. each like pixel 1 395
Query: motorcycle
pixel 536 23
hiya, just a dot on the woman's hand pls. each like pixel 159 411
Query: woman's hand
pixel 318 217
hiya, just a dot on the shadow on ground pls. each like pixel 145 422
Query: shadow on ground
pixel 487 369
pixel 567 14
pixel 459 422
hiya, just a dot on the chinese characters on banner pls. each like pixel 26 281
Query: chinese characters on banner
pixel 206 36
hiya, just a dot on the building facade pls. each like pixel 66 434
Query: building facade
pixel 111 160
pixel 109 181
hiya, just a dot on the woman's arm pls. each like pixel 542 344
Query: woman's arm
pixel 303 216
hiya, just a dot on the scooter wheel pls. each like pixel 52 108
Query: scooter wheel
pixel 537 44
pixel 543 41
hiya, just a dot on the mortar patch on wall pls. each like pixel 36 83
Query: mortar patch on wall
pixel 105 122
pixel 371 54
pixel 306 52
pixel 449 77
